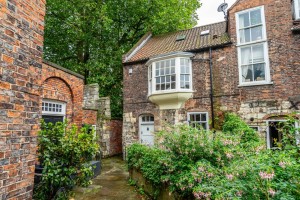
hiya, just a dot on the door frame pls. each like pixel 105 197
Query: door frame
pixel 144 123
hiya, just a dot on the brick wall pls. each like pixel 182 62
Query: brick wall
pixel 21 46
pixel 257 102
pixel 63 85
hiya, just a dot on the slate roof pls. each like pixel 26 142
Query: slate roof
pixel 151 46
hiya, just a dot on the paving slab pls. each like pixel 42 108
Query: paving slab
pixel 111 184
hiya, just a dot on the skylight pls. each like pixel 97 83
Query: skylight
pixel 180 37
pixel 206 32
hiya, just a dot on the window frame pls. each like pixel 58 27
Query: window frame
pixel 152 75
pixel 195 113
pixel 262 41
pixel 51 113
pixel 296 9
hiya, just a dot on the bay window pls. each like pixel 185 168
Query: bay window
pixel 296 9
pixel 252 47
pixel 170 79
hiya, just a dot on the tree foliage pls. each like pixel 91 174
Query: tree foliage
pixel 90 37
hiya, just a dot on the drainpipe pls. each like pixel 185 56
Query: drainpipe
pixel 211 89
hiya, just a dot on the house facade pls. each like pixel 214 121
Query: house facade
pixel 248 64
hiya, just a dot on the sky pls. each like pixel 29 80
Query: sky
pixel 208 13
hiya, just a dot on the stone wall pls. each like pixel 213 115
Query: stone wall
pixel 21 48
pixel 275 99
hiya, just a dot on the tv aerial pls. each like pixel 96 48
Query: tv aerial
pixel 222 8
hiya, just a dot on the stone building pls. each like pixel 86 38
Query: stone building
pixel 248 64
pixel 31 89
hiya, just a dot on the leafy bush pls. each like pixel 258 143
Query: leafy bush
pixel 204 165
pixel 64 154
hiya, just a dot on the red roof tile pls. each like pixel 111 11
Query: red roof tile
pixel 166 43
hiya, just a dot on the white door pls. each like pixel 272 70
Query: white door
pixel 147 130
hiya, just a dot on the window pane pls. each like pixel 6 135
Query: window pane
pixel 256 33
pixel 168 63
pixel 157 72
pixel 157 86
pixel 181 77
pixel 246 55
pixel 258 53
pixel 173 85
pixel 181 61
pixel 163 86
pixel 173 78
pixel 244 20
pixel 203 117
pixel 187 85
pixel 245 35
pixel 198 118
pixel 162 71
pixel 187 78
pixel 168 79
pixel 158 80
pixel 182 85
pixel 259 72
pixel 182 69
pixel 163 79
pixel 247 73
pixel 255 17
pixel 173 70
pixel 168 86
pixel 192 117
pixel 168 70
pixel 173 62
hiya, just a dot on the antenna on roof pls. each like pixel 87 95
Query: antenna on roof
pixel 222 8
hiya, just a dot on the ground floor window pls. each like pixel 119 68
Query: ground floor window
pixel 274 133
pixel 53 111
pixel 256 128
pixel 198 119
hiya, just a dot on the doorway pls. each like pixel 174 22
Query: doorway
pixel 146 131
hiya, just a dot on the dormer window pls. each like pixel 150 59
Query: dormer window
pixel 296 9
pixel 170 74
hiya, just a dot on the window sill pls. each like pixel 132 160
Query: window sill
pixel 255 84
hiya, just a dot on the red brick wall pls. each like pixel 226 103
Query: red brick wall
pixel 115 137
pixel 89 117
pixel 63 86
pixel 21 44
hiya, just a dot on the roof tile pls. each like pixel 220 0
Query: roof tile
pixel 166 43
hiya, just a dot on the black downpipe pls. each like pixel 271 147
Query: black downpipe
pixel 211 89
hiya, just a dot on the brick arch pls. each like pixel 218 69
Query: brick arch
pixel 55 88
pixel 280 115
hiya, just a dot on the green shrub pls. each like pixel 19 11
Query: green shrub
pixel 204 165
pixel 64 154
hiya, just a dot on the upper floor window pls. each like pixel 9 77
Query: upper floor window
pixel 296 9
pixel 252 47
pixel 170 75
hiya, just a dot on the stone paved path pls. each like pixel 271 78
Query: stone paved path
pixel 111 184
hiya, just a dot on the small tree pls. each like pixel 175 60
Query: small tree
pixel 64 153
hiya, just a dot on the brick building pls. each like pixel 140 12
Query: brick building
pixel 248 64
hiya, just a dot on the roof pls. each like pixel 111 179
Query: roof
pixel 150 46
pixel 62 69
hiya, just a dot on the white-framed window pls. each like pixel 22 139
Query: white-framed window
pixel 170 74
pixel 198 119
pixel 252 47
pixel 296 9
pixel 53 111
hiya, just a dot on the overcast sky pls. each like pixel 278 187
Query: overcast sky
pixel 208 12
